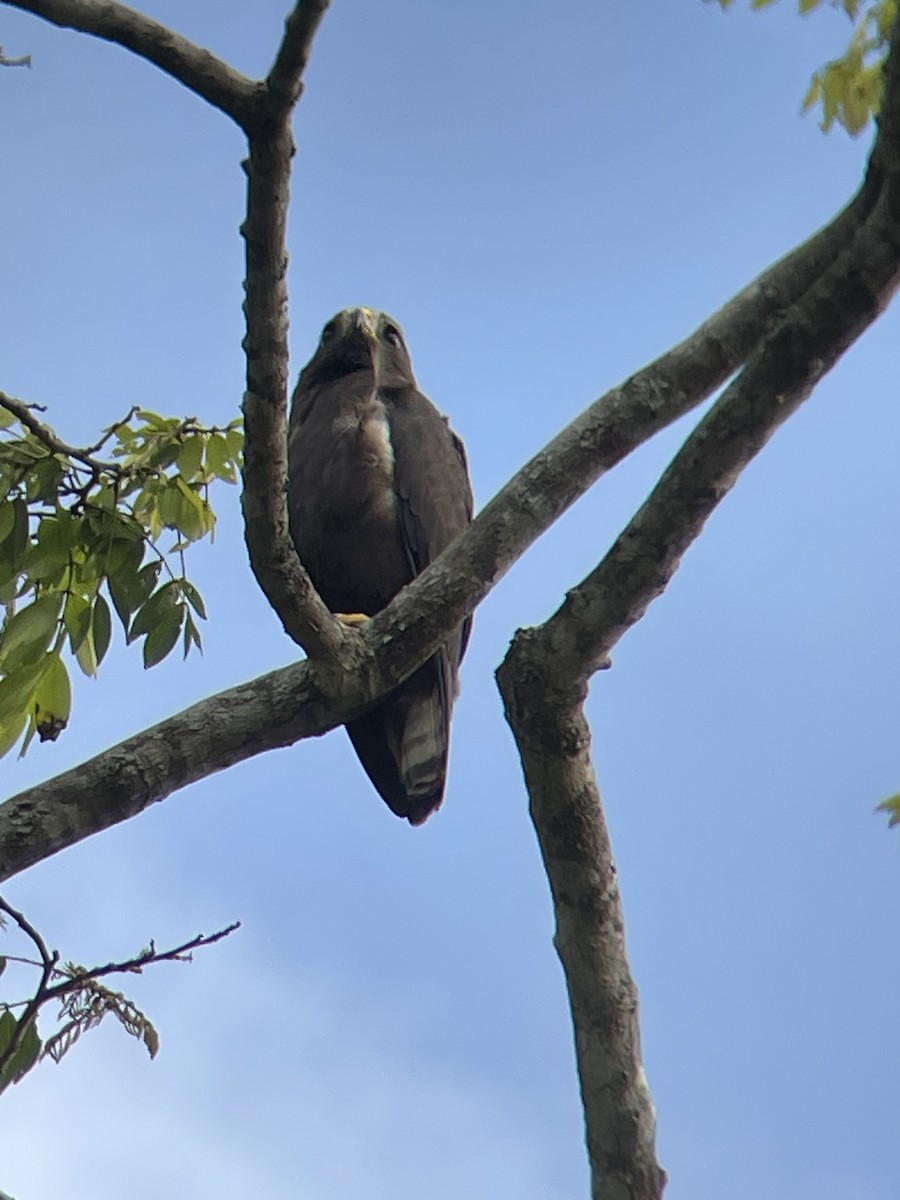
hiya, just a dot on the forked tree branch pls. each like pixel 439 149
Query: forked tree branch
pixel 544 677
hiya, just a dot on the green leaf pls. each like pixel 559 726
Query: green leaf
pixel 44 480
pixel 14 545
pixel 128 593
pixel 26 636
pixel 125 556
pixel 194 518
pixel 25 1056
pixel 53 700
pixel 162 637
pixel 218 458
pixel 7 1029
pixel 17 692
pixel 47 558
pixel 234 437
pixel 193 598
pixel 156 610
pixel 86 655
pixel 101 628
pixel 6 418
pixel 11 731
pixel 191 634
pixel 7 518
pixel 164 454
pixel 190 456
pixel 77 620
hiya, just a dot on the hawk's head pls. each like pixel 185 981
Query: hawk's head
pixel 361 339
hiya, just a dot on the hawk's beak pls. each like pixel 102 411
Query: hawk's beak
pixel 365 323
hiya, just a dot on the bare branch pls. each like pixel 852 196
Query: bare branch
pixel 284 81
pixel 48 963
pixel 590 930
pixel 47 959
pixel 198 69
pixel 148 958
pixel 273 557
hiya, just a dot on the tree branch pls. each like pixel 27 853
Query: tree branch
pixel 273 711
pixel 150 957
pixel 48 963
pixel 543 679
pixel 273 556
pixel 198 69
pixel 284 81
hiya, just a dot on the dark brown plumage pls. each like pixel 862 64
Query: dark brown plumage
pixel 378 488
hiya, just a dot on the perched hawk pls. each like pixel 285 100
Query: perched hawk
pixel 378 488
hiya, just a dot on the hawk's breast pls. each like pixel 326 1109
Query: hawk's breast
pixel 365 437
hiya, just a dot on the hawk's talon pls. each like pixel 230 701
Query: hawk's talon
pixel 353 618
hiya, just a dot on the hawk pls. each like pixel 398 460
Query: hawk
pixel 378 488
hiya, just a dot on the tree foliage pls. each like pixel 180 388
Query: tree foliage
pixel 84 538
pixel 83 1000
pixel 848 89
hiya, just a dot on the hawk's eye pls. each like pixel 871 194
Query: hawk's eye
pixel 392 336
pixel 327 334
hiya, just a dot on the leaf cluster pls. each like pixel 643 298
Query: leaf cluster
pixel 83 1002
pixel 85 1006
pixel 81 541
pixel 81 1009
pixel 848 89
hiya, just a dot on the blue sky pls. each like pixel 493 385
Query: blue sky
pixel 546 199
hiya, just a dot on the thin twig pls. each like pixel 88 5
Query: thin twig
pixel 48 962
pixel 112 430
pixel 133 965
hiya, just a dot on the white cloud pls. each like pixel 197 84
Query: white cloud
pixel 265 1090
